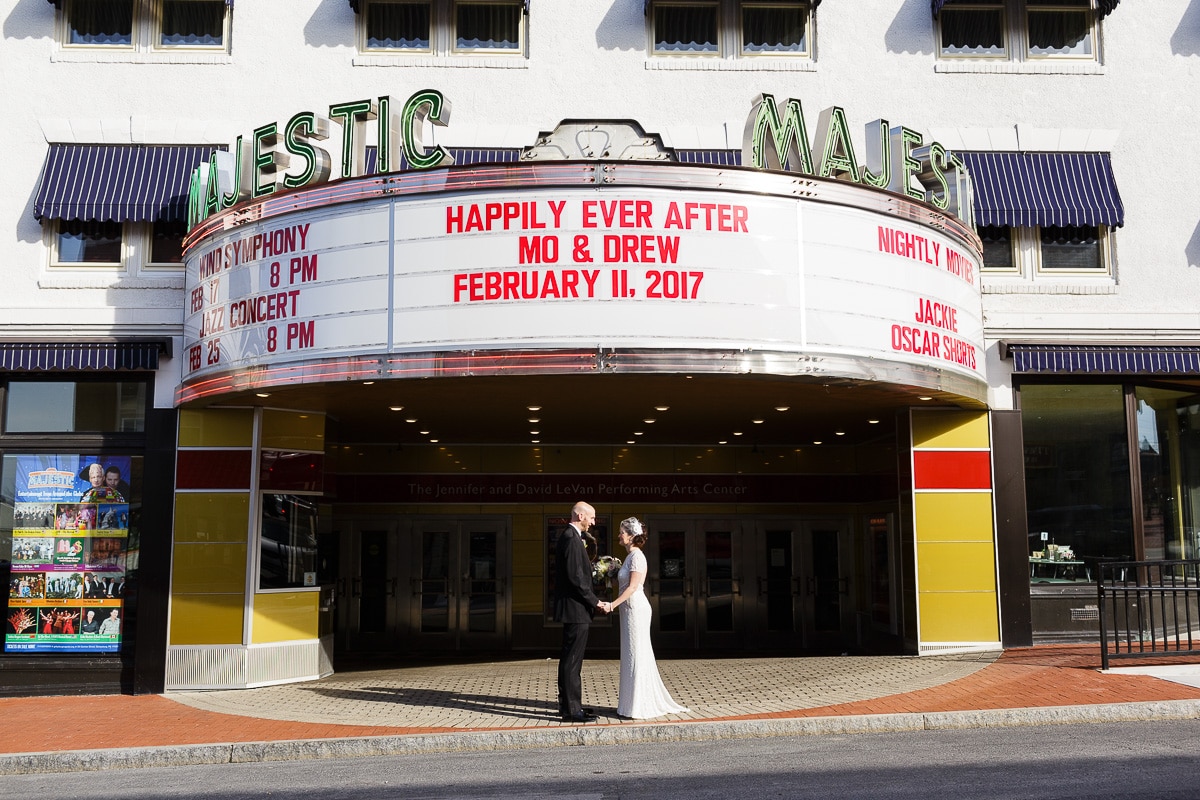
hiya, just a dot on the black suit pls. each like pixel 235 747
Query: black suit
pixel 574 606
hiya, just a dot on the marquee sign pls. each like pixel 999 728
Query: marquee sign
pixel 301 152
pixel 614 266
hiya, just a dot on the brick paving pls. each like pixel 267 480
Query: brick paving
pixel 521 694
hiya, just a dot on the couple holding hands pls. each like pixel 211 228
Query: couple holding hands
pixel 642 694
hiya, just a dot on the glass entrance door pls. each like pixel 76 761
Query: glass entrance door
pixel 458 584
pixel 695 583
pixel 803 593
pixel 366 610
pixel 825 561
pixel 424 584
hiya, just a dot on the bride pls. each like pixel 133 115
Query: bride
pixel 642 694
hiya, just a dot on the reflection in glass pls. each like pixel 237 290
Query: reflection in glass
pixel 672 571
pixel 435 585
pixel 1168 431
pixel 288 542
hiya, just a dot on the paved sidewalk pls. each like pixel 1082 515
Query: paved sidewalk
pixel 511 704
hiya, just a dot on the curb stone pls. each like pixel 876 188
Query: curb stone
pixel 477 741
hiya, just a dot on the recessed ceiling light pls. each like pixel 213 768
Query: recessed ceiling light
pixel 264 394
pixel 872 422
pixel 535 419
pixel 534 433
pixel 649 421
pixel 737 433
pixel 782 408
pixel 924 398
pixel 757 421
pixel 630 441
pixel 535 441
pixel 637 433
pixel 414 419
pixel 817 441
pixel 396 408
pixel 424 433
pixel 533 408
pixel 368 383
pixel 433 441
pixel 723 441
pixel 662 408
pixel 839 433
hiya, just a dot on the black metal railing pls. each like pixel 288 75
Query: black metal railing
pixel 1148 609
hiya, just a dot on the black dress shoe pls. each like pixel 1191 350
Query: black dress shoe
pixel 584 717
pixel 562 712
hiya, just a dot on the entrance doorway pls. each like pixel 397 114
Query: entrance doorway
pixel 805 584
pixel 425 584
pixel 695 579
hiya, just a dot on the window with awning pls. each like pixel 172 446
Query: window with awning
pixel 99 198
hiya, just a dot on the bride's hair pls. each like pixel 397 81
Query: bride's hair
pixel 634 528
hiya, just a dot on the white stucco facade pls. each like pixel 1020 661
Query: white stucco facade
pixel 588 60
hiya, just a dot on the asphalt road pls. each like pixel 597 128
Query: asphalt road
pixel 1121 760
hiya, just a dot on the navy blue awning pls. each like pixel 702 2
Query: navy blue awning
pixel 1023 190
pixel 1100 359
pixel 646 8
pixel 357 5
pixel 1105 7
pixel 118 183
pixel 58 3
pixel 463 156
pixel 89 356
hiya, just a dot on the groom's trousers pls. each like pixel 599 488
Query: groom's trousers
pixel 570 668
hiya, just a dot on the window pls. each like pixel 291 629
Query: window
pixel 68 407
pixel 288 542
pixel 1089 492
pixel 91 242
pixel 129 246
pixel 1017 30
pixel 147 25
pixel 1046 251
pixel 443 27
pixel 730 28
pixel 100 22
pixel 192 23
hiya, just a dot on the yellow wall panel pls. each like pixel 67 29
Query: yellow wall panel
pixel 285 616
pixel 956 567
pixel 291 430
pixel 527 595
pixel 959 617
pixel 206 618
pixel 224 427
pixel 953 516
pixel 937 429
pixel 216 568
pixel 211 516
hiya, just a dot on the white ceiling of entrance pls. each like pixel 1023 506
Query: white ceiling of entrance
pixel 604 409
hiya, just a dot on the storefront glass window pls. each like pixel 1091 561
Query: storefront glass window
pixel 1168 424
pixel 1077 480
pixel 67 406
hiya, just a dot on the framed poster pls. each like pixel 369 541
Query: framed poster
pixel 70 554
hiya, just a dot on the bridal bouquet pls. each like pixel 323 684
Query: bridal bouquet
pixel 605 568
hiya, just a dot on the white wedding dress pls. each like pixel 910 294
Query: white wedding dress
pixel 642 694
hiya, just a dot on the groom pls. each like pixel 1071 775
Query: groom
pixel 574 606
